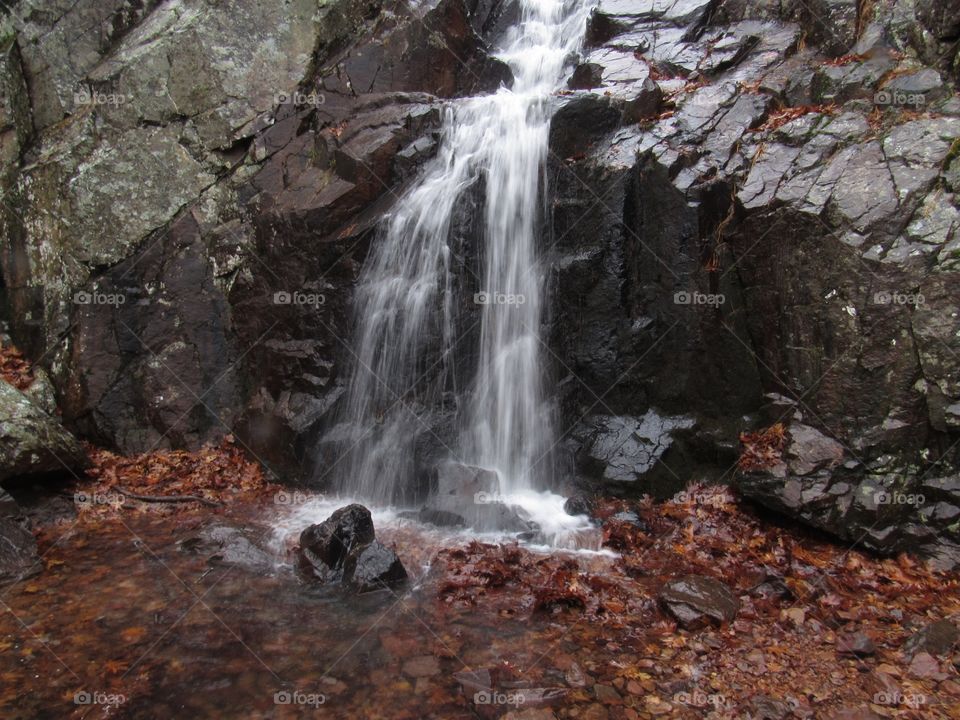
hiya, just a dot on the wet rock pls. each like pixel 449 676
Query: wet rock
pixel 18 548
pixel 695 599
pixel 622 450
pixel 810 450
pixel 463 495
pixel 579 505
pixel 586 76
pixel 225 544
pixel 343 549
pixel 33 442
pixel 856 644
pixel 330 542
pixel 373 567
pixel 580 122
pixel 937 638
pixel 647 104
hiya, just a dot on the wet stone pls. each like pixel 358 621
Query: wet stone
pixel 695 599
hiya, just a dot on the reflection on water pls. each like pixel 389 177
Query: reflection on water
pixel 141 608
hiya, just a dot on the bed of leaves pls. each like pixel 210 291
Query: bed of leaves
pixel 802 598
pixel 15 368
pixel 215 472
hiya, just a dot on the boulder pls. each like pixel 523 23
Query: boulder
pixel 469 496
pixel 330 543
pixel 33 442
pixel 343 550
pixel 694 599
pixel 373 567
pixel 18 548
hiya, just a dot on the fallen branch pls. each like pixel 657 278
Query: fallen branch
pixel 167 498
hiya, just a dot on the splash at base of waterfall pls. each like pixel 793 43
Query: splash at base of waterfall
pixel 559 531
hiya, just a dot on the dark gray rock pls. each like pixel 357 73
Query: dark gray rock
pixel 586 76
pixel 330 542
pixel 18 548
pixel 374 567
pixel 33 442
pixel 463 495
pixel 937 638
pixel 694 600
pixel 647 104
pixel 229 545
pixel 343 550
pixel 582 121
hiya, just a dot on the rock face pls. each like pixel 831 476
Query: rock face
pixel 787 225
pixel 744 198
pixel 343 549
pixel 31 441
pixel 237 156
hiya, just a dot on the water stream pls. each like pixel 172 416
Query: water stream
pixel 409 319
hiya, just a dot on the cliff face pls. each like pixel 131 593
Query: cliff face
pixel 752 219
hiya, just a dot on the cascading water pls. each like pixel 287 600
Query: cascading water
pixel 408 298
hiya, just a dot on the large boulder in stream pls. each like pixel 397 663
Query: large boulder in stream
pixel 344 549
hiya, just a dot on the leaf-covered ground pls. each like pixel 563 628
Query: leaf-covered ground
pixel 131 603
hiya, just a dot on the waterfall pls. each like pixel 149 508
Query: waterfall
pixel 410 296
